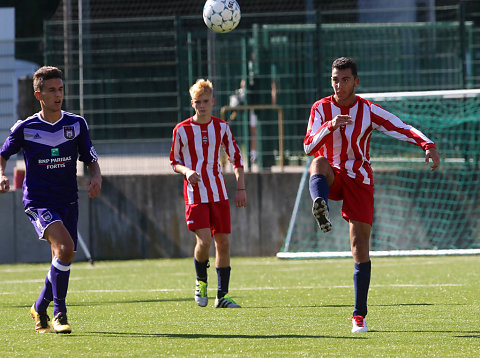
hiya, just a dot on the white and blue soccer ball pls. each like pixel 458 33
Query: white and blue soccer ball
pixel 221 15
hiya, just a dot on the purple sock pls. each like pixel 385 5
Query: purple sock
pixel 59 273
pixel 318 186
pixel 201 270
pixel 361 282
pixel 45 297
pixel 223 277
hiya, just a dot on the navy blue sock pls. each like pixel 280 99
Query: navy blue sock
pixel 361 282
pixel 318 186
pixel 223 276
pixel 45 297
pixel 201 270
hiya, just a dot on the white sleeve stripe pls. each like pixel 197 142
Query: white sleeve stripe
pixel 93 153
pixel 316 139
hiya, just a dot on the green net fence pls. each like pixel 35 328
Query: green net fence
pixel 415 209
pixel 130 76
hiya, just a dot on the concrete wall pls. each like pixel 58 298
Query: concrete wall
pixel 143 217
pixel 19 241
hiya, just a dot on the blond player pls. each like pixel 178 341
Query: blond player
pixel 195 154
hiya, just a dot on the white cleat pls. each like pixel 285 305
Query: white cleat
pixel 201 297
pixel 358 324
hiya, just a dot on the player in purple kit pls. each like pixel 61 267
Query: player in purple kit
pixel 52 141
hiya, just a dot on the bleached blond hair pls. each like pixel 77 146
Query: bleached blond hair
pixel 200 88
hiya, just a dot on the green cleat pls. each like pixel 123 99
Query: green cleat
pixel 201 297
pixel 226 302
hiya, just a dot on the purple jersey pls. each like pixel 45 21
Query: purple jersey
pixel 50 152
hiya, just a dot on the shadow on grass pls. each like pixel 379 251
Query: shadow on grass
pixel 395 305
pixel 222 336
pixel 187 299
pixel 471 336
pixel 153 300
pixel 106 303
pixel 349 305
pixel 465 334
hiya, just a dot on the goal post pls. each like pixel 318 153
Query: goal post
pixel 417 212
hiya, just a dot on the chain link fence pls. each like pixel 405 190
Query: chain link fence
pixel 129 77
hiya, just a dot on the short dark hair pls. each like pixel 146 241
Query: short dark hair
pixel 43 74
pixel 343 63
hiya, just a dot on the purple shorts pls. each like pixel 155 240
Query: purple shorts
pixel 41 218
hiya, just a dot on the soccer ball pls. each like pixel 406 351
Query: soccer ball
pixel 221 15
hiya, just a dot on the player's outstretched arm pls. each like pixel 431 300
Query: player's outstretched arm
pixel 241 193
pixel 4 183
pixel 433 155
pixel 95 183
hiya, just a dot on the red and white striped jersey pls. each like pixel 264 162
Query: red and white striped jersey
pixel 347 147
pixel 197 146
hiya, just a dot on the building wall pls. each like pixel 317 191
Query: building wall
pixel 7 69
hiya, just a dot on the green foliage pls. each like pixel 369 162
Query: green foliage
pixel 423 306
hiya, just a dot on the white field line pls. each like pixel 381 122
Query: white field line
pixel 244 288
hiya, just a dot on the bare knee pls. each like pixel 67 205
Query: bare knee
pixel 360 251
pixel 204 243
pixel 222 244
pixel 202 247
pixel 61 242
pixel 320 165
pixel 222 248
pixel 65 252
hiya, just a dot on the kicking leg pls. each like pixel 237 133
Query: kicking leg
pixel 321 178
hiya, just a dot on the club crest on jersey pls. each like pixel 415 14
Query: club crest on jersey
pixel 205 139
pixel 69 132
pixel 47 216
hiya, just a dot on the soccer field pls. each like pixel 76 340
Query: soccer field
pixel 418 307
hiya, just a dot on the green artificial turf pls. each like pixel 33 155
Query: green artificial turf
pixel 418 307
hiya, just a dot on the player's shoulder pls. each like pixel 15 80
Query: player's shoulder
pixel 219 120
pixel 185 123
pixel 73 117
pixel 328 99
pixel 22 123
pixel 368 102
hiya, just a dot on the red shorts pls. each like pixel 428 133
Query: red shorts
pixel 357 197
pixel 215 216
